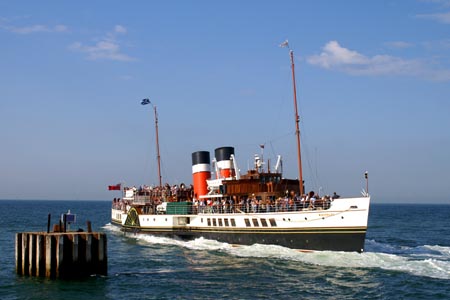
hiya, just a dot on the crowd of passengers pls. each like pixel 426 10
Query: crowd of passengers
pixel 164 191
pixel 155 194
pixel 252 204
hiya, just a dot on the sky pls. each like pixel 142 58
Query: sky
pixel 373 88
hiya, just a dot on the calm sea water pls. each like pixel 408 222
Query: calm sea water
pixel 407 257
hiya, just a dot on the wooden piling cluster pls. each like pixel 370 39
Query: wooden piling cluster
pixel 61 255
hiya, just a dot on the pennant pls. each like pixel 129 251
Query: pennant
pixel 145 101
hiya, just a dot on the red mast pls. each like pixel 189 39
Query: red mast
pixel 297 120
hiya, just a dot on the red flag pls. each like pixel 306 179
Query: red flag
pixel 114 187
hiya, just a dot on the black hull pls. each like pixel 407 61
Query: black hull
pixel 318 239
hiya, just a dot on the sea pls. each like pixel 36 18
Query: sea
pixel 407 256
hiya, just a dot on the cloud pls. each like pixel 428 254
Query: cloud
pixel 399 44
pixel 443 3
pixel 106 48
pixel 438 17
pixel 34 29
pixel 126 77
pixel 336 57
pixel 120 29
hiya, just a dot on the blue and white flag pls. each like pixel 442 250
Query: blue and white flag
pixel 145 101
pixel 284 44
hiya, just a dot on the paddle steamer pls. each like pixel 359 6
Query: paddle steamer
pixel 259 207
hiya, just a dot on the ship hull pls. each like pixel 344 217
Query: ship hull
pixel 320 240
pixel 340 228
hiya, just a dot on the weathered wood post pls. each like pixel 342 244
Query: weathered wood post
pixel 61 254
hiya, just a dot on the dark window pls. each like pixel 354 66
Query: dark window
pixel 247 222
pixel 209 221
pixel 220 223
pixel 233 223
pixel 226 222
pixel 214 222
pixel 263 222
pixel 273 223
pixel 255 222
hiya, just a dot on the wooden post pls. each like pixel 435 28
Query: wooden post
pixel 25 257
pixel 40 256
pixel 50 256
pixel 32 255
pixel 19 253
pixel 61 255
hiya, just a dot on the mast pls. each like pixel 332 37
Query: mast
pixel 297 120
pixel 145 102
pixel 157 147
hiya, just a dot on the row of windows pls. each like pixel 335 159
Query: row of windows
pixel 225 221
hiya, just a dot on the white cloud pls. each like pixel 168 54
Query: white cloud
pixel 107 47
pixel 34 29
pixel 60 28
pixel 399 44
pixel 439 17
pixel 336 57
pixel 101 50
pixel 443 3
pixel 120 29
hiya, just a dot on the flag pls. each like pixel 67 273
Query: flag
pixel 284 44
pixel 114 187
pixel 145 101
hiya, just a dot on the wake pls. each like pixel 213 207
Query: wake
pixel 427 260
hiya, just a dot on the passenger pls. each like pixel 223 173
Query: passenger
pixel 303 203
pixel 242 204
pixel 233 203
pixel 293 201
pixel 290 204
pixel 216 206
pixel 286 203
pixel 195 205
pixel 311 198
pixel 209 205
pixel 254 205
pixel 230 204
pixel 268 203
pixel 202 205
pixel 248 204
pixel 335 196
pixel 224 206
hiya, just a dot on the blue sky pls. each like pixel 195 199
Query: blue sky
pixel 373 87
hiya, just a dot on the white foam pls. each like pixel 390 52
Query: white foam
pixel 197 244
pixel 111 227
pixel 444 251
pixel 428 267
pixel 427 261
